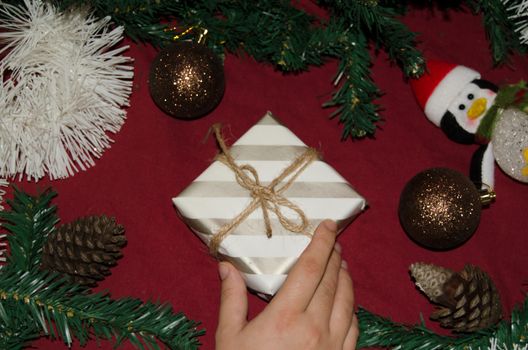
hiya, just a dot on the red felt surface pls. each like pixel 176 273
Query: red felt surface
pixel 154 157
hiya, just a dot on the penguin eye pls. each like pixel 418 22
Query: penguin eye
pixel 471 96
pixel 461 107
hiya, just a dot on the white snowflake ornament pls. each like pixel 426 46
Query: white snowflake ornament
pixel 65 88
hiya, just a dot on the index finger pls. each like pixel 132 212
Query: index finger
pixel 301 284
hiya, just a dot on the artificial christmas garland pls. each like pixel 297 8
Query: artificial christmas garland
pixel 276 31
pixel 36 302
pixel 378 331
pixel 279 32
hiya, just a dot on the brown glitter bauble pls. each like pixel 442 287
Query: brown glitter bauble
pixel 186 80
pixel 440 208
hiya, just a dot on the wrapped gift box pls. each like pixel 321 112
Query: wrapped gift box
pixel 215 198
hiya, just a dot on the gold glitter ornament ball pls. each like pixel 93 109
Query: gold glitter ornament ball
pixel 440 208
pixel 186 80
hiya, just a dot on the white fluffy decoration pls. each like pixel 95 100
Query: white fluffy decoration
pixel 518 10
pixel 64 88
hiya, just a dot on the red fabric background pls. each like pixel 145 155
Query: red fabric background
pixel 154 157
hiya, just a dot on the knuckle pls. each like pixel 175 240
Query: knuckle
pixel 285 321
pixel 312 266
pixel 315 336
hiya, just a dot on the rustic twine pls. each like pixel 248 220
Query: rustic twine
pixel 269 198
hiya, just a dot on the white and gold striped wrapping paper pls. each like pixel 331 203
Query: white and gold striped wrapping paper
pixel 214 198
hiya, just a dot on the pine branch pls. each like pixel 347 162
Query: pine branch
pixel 380 23
pixel 15 332
pixel 141 19
pixel 277 32
pixel 30 221
pixel 59 309
pixel 34 302
pixel 499 28
pixel 354 98
pixel 272 31
pixel 377 331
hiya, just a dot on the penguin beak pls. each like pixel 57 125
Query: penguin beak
pixel 477 108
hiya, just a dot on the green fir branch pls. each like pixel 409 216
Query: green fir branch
pixel 29 222
pixel 380 23
pixel 279 32
pixel 56 308
pixel 269 31
pixel 353 101
pixel 15 331
pixel 499 28
pixel 35 303
pixel 377 331
pixel 143 21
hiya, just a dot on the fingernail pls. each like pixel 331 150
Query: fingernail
pixel 337 247
pixel 330 225
pixel 223 270
pixel 344 265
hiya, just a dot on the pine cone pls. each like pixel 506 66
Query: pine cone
pixel 84 249
pixel 467 300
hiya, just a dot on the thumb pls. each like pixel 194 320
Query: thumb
pixel 233 302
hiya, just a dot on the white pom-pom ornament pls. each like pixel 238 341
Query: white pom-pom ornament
pixel 64 88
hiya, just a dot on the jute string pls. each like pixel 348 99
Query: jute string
pixel 268 198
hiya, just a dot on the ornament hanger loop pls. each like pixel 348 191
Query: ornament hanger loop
pixel 487 195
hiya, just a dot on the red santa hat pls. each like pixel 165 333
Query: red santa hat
pixel 437 88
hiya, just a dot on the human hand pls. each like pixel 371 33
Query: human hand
pixel 314 309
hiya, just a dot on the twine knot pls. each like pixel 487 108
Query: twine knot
pixel 267 197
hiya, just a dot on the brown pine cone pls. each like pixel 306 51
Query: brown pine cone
pixel 84 249
pixel 467 300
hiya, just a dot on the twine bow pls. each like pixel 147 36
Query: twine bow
pixel 268 198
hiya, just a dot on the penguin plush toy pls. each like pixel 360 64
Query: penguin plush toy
pixel 455 98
